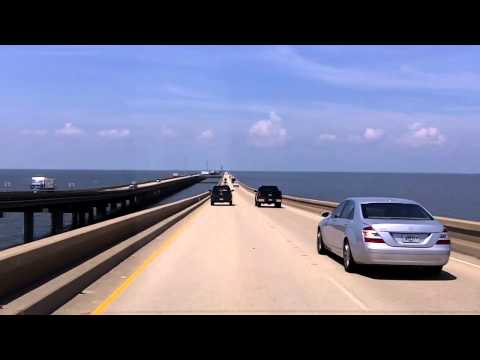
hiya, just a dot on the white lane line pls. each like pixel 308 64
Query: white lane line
pixel 348 293
pixel 352 297
pixel 465 262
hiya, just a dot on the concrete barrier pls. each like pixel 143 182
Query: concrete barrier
pixel 464 234
pixel 48 297
pixel 27 266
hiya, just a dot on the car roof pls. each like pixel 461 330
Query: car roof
pixel 366 200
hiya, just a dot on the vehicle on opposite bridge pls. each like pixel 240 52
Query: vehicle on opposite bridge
pixel 268 194
pixel 221 193
pixel 43 183
pixel 133 185
pixel 384 231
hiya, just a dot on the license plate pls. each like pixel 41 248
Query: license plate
pixel 221 198
pixel 410 238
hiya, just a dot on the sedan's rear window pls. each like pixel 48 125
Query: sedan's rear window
pixel 394 211
pixel 268 189
pixel 221 188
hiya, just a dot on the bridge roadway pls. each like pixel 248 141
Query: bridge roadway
pixel 242 260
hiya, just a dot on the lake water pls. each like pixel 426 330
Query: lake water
pixel 450 195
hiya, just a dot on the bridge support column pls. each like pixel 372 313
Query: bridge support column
pixel 113 207
pixel 81 218
pixel 91 217
pixel 28 226
pixel 57 221
pixel 75 219
pixel 133 202
pixel 102 211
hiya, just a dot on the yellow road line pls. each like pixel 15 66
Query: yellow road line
pixel 165 245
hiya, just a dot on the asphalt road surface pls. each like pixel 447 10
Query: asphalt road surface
pixel 242 260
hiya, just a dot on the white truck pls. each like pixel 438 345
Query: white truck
pixel 42 183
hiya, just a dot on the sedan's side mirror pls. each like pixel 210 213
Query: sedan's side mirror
pixel 255 190
pixel 325 214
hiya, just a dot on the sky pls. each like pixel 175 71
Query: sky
pixel 287 108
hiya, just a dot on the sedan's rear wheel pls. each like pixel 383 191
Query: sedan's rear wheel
pixel 434 270
pixel 320 245
pixel 348 261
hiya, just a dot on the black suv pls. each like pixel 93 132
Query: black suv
pixel 221 193
pixel 268 195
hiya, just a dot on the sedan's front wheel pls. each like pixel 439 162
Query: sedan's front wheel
pixel 348 262
pixel 320 245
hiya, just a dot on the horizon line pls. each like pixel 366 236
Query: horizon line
pixel 243 170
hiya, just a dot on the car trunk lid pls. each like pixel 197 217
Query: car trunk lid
pixel 407 233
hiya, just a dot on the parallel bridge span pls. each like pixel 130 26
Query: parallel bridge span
pixel 92 205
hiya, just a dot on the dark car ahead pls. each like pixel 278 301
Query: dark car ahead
pixel 268 195
pixel 221 193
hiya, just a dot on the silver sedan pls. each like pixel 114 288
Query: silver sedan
pixel 384 231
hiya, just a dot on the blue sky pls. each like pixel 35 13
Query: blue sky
pixel 313 108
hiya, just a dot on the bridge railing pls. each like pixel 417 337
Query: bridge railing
pixel 464 234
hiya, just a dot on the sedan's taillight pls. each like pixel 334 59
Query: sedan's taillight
pixel 443 238
pixel 371 235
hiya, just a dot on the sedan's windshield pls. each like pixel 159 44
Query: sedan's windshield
pixel 394 211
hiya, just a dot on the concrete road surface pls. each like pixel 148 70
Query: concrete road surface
pixel 241 259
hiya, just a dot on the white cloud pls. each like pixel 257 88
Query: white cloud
pixel 268 132
pixel 114 133
pixel 373 134
pixel 206 135
pixel 421 135
pixel 327 137
pixel 70 130
pixel 34 132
